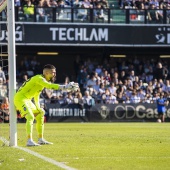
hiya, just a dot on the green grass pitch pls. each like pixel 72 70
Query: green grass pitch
pixel 92 146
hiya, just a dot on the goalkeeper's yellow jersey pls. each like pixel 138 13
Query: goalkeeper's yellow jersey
pixel 33 87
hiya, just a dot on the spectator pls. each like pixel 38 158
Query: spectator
pixel 134 97
pixel 129 84
pixel 17 3
pixel 5 109
pixel 76 4
pixel 112 89
pixel 82 13
pixel 150 87
pixel 160 72
pixel 24 78
pixel 113 99
pixel 132 75
pixel 3 92
pixel 141 95
pixel 97 77
pixel 107 76
pixel 78 99
pixel 92 81
pixel 98 70
pixel 106 97
pixel 69 99
pixel 2 76
pixel 104 4
pixel 153 17
pixel 122 76
pixel 160 8
pixel 127 100
pixel 120 98
pixel 87 99
pixel 47 94
pixel 149 75
pixel 53 3
pixel 82 77
pixel 166 87
pixel 85 3
pixel 89 64
pixel 98 13
pixel 146 99
pixel 56 98
pixel 101 89
pixel 168 13
pixel 28 9
pixel 155 97
pixel 155 3
pixel 40 13
pixel 115 77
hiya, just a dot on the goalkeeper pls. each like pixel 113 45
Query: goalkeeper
pixel 26 101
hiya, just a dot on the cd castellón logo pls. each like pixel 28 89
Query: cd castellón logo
pixel 104 111
pixel 163 36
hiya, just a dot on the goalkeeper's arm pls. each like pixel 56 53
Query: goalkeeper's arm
pixel 70 86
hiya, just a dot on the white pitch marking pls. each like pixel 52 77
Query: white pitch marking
pixel 52 161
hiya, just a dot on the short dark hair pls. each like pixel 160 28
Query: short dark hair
pixel 49 66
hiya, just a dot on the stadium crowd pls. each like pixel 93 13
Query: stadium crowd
pixel 125 81
pixel 44 9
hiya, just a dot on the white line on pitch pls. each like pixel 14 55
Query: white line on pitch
pixel 52 161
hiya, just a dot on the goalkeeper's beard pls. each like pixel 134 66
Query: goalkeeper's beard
pixel 53 79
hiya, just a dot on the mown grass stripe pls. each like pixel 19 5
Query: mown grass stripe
pixel 52 161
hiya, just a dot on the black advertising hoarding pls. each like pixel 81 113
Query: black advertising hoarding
pixel 104 113
pixel 89 34
pixel 67 113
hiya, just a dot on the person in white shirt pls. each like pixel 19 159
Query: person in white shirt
pixel 166 86
pixel 98 70
pixel 88 102
pixel 112 88
pixel 132 75
pixel 141 94
pixel 69 99
pixel 91 82
pixel 2 76
pixel 135 98
pixel 87 99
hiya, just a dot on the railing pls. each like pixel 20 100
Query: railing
pixel 84 15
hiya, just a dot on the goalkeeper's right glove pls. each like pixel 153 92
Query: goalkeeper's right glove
pixel 70 86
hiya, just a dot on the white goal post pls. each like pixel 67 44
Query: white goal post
pixel 12 70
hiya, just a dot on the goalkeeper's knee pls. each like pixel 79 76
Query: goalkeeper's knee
pixel 40 118
pixel 41 112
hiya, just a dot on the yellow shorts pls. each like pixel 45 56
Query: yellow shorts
pixel 24 106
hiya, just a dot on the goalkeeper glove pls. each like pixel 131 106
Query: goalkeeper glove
pixel 70 86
